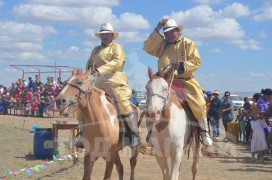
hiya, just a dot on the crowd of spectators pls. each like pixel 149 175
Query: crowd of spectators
pixel 255 119
pixel 33 97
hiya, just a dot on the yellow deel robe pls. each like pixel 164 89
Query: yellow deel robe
pixel 110 60
pixel 184 50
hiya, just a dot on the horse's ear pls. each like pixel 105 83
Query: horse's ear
pixel 150 73
pixel 75 71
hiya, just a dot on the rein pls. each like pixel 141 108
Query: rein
pixel 89 91
pixel 165 99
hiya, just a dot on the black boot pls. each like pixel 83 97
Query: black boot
pixel 131 126
pixel 79 138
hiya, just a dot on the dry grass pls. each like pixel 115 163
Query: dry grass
pixel 229 161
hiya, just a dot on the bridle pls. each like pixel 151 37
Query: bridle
pixel 165 99
pixel 80 91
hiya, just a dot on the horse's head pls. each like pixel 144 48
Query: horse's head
pixel 75 88
pixel 157 94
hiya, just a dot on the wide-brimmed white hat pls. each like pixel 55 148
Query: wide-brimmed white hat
pixel 107 28
pixel 171 24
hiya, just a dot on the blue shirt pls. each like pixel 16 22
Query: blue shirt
pixel 214 107
pixel 246 105
pixel 241 118
pixel 227 115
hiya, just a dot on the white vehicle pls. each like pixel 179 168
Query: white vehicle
pixel 142 104
pixel 237 101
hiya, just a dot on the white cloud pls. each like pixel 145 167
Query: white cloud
pixel 236 10
pixel 248 44
pixel 22 41
pixel 215 51
pixel 203 24
pixel 208 1
pixel 87 16
pixel 77 3
pixel 265 15
pixel 258 74
pixel 131 21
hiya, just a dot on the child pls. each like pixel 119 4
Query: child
pixel 258 142
pixel 241 118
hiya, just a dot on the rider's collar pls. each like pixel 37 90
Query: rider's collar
pixel 177 41
pixel 106 45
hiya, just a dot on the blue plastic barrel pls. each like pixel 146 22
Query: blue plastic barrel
pixel 43 143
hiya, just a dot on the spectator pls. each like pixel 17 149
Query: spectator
pixel 258 142
pixel 8 103
pixel 54 83
pixel 12 89
pixel 214 113
pixel 48 84
pixel 27 101
pixel 41 106
pixel 262 107
pixel 1 89
pixel 247 104
pixel 24 84
pixel 49 105
pixel 1 103
pixel 37 81
pixel 34 105
pixel 58 90
pixel 252 108
pixel 51 90
pixel 241 118
pixel 226 109
pixel 208 104
pixel 31 84
pixel 59 81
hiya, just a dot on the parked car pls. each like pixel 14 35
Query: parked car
pixel 142 104
pixel 137 97
pixel 237 101
pixel 250 100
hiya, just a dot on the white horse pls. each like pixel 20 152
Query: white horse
pixel 172 130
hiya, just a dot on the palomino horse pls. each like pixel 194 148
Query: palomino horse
pixel 101 130
pixel 172 130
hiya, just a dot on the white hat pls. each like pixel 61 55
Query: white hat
pixel 107 28
pixel 171 24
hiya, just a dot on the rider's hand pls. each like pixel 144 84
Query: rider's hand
pixel 161 23
pixel 91 64
pixel 175 65
pixel 96 73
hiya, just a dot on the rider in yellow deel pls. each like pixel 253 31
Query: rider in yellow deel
pixel 182 53
pixel 107 62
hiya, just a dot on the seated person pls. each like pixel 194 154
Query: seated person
pixel 8 103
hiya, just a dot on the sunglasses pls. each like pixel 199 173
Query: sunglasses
pixel 226 95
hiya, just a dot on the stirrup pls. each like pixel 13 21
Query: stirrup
pixel 148 139
pixel 78 140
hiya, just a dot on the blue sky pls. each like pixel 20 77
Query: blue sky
pixel 233 37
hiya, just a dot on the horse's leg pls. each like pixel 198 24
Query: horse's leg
pixel 175 164
pixel 109 165
pixel 162 161
pixel 88 166
pixel 195 162
pixel 133 161
pixel 119 166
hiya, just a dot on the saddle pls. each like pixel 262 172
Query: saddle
pixel 178 88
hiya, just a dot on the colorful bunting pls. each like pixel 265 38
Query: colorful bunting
pixel 37 167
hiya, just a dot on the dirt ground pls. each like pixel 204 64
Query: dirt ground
pixel 230 161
